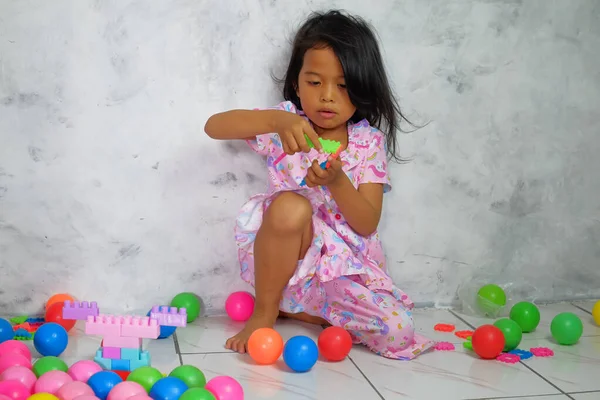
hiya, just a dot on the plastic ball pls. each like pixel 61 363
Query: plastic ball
pixel 490 298
pixel 125 390
pixel 145 376
pixel 86 397
pixel 197 394
pixel 50 339
pixel 103 382
pixel 58 298
pixel 13 359
pixel 54 313
pixel 168 388
pixel 488 341
pixel 12 346
pixel 335 343
pixel 14 390
pixel 47 364
pixel 225 388
pixel 300 353
pixel 190 302
pixel 512 333
pixel 165 331
pixel 6 331
pixel 265 346
pixel 51 381
pixel 190 375
pixel 240 306
pixel 82 370
pixel 143 396
pixel 74 389
pixel 21 374
pixel 566 328
pixel 526 314
pixel 42 396
pixel 596 312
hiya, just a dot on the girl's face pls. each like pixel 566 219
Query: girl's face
pixel 322 91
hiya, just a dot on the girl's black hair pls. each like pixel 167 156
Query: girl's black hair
pixel 354 43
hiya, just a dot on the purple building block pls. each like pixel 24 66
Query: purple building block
pixel 80 311
pixel 169 316
pixel 113 353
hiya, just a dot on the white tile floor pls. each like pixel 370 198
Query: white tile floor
pixel 573 373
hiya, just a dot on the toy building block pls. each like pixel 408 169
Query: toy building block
pixel 121 365
pixel 140 327
pixel 143 361
pixel 101 361
pixel 169 316
pixel 122 342
pixel 114 353
pixel 131 354
pixel 80 311
pixel 104 325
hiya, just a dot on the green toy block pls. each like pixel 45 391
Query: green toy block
pixel 329 146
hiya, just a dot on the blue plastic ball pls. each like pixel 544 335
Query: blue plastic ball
pixel 169 388
pixel 50 339
pixel 102 383
pixel 165 331
pixel 300 353
pixel 6 331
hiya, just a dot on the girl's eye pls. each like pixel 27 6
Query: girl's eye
pixel 313 83
pixel 342 85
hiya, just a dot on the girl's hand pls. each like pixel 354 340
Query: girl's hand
pixel 291 129
pixel 317 176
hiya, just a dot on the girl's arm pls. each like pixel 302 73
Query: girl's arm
pixel 361 208
pixel 241 124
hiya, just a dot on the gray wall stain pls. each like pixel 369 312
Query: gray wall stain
pixel 129 251
pixel 35 153
pixel 226 179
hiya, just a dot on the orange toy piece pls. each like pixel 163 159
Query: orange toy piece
pixel 58 298
pixel 265 346
pixel 444 327
pixel 464 334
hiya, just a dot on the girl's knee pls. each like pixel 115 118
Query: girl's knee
pixel 399 329
pixel 288 213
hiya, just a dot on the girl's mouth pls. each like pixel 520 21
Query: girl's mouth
pixel 327 114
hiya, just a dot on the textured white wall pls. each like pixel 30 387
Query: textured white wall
pixel 110 190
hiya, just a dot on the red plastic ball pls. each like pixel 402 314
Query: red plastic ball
pixel 335 343
pixel 488 341
pixel 54 313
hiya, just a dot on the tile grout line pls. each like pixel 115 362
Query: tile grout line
pixel 581 308
pixel 461 319
pixel 365 376
pixel 177 349
pixel 516 397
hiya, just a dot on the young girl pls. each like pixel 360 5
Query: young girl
pixel 312 251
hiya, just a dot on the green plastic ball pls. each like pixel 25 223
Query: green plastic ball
pixel 197 394
pixel 490 298
pixel 145 376
pixel 566 328
pixel 190 302
pixel 192 376
pixel 47 364
pixel 512 333
pixel 526 314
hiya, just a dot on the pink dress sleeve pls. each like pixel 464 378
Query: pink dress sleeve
pixel 375 167
pixel 267 143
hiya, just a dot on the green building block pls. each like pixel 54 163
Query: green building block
pixel 329 146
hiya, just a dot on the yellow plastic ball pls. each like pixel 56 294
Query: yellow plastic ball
pixel 42 396
pixel 596 312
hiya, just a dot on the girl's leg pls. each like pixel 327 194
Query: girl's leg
pixel 283 238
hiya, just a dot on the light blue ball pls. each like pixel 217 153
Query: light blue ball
pixel 300 353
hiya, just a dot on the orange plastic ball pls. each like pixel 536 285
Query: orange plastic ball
pixel 58 298
pixel 265 346
pixel 54 313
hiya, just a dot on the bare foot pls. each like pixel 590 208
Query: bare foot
pixel 304 317
pixel 258 320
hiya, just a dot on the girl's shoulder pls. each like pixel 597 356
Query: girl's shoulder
pixel 366 138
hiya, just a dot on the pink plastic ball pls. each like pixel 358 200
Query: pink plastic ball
pixel 21 374
pixel 125 390
pixel 71 390
pixel 225 388
pixel 51 381
pixel 140 397
pixel 15 346
pixel 86 397
pixel 14 390
pixel 239 306
pixel 82 370
pixel 3 397
pixel 12 359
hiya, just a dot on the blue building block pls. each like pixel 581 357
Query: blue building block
pixel 143 361
pixel 130 354
pixel 101 361
pixel 121 365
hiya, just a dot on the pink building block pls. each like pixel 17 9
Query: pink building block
pixel 140 327
pixel 104 325
pixel 169 316
pixel 80 311
pixel 114 353
pixel 122 342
